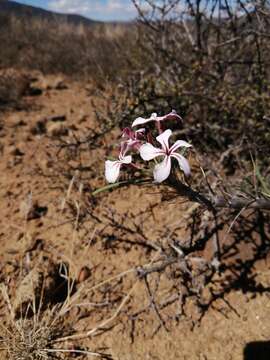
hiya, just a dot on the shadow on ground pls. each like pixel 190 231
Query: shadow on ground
pixel 257 350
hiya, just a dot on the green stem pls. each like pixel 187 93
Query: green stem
pixel 119 184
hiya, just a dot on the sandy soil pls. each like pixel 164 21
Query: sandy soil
pixel 45 222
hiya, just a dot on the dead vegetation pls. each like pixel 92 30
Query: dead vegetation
pixel 13 86
pixel 99 52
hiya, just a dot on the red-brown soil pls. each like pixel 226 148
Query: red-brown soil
pixel 38 229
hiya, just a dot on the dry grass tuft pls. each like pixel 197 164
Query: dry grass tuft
pixel 25 339
pixel 31 338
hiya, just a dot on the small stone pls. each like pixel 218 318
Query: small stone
pixel 16 151
pixel 34 90
pixel 56 118
pixel 36 212
pixel 57 129
pixel 39 128
pixel 84 274
pixel 20 236
pixel 16 121
pixel 9 269
pixel 50 83
pixel 33 210
pixel 61 85
pixel 45 165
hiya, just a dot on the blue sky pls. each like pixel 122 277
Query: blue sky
pixel 121 10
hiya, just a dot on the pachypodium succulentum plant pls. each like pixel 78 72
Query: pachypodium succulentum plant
pixel 142 142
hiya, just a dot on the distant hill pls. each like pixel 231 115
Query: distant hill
pixel 8 7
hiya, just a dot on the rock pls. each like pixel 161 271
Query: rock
pixel 61 85
pixel 49 83
pixel 36 211
pixel 84 274
pixel 56 118
pixel 45 165
pixel 16 121
pixel 15 151
pixel 57 129
pixel 34 90
pixel 39 128
pixel 83 119
pixel 31 209
pixel 73 127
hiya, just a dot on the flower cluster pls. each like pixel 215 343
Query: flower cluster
pixel 141 141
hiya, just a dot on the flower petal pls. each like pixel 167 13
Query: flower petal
pixel 163 139
pixel 178 144
pixel 172 116
pixel 124 147
pixel 127 133
pixel 140 131
pixel 126 159
pixel 183 163
pixel 140 121
pixel 112 170
pixel 162 170
pixel 149 152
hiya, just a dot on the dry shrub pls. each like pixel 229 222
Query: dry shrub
pixel 210 62
pixel 13 85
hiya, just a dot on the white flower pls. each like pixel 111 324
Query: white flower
pixel 163 169
pixel 112 168
pixel 171 116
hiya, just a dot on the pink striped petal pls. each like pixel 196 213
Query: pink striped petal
pixel 112 170
pixel 141 120
pixel 183 163
pixel 162 170
pixel 178 144
pixel 163 139
pixel 126 159
pixel 172 116
pixel 149 152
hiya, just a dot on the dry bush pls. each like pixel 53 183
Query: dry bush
pixel 210 62
pixel 13 86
